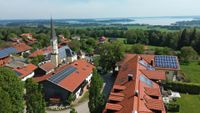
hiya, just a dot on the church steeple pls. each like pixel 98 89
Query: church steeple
pixel 54 44
pixel 53 33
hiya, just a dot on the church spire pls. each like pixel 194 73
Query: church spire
pixel 53 33
pixel 54 44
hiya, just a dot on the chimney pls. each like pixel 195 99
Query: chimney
pixel 152 62
pixel 136 92
pixel 130 77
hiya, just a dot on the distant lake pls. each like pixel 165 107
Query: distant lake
pixel 107 21
pixel 158 21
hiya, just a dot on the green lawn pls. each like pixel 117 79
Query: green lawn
pixel 189 103
pixel 192 72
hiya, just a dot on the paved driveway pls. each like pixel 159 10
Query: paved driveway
pixel 108 81
pixel 81 108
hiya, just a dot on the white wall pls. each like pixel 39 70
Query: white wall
pixel 29 76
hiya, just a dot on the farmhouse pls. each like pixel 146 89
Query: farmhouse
pixel 70 78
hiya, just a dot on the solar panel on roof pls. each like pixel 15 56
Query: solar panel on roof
pixel 166 61
pixel 7 51
pixel 146 81
pixel 63 74
pixel 149 67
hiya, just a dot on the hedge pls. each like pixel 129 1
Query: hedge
pixel 183 87
pixel 171 107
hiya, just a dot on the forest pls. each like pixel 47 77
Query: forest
pixel 174 40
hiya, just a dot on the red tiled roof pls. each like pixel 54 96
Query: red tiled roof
pixel 126 97
pixel 117 94
pixel 26 70
pixel 21 47
pixel 26 34
pixel 72 81
pixel 79 77
pixel 115 98
pixel 154 104
pixel 152 91
pixel 115 107
pixel 41 52
pixel 148 58
pixel 4 61
pixel 47 66
pixel 118 87
pixel 154 75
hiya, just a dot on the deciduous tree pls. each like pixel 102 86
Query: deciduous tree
pixel 11 86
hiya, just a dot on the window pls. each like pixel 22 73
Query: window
pixel 146 81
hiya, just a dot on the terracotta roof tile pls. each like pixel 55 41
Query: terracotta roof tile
pixel 117 94
pixel 22 47
pixel 41 52
pixel 154 75
pixel 152 91
pixel 115 98
pixel 115 107
pixel 148 58
pixel 72 81
pixel 118 87
pixel 47 66
pixel 154 104
pixel 126 97
pixel 26 70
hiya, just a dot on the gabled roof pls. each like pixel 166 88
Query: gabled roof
pixel 22 47
pixel 44 51
pixel 154 75
pixel 47 66
pixel 72 81
pixel 26 70
pixel 127 94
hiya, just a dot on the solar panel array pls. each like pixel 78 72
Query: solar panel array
pixel 61 75
pixel 7 51
pixel 146 81
pixel 166 61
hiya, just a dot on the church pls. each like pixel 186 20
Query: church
pixel 60 55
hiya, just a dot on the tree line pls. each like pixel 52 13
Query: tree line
pixel 175 40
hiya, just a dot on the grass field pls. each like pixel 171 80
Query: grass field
pixel 189 103
pixel 192 72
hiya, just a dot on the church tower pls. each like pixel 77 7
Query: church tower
pixel 54 44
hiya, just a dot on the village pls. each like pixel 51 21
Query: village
pixel 137 83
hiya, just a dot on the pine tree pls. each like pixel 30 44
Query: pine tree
pixel 34 99
pixel 96 100
pixel 184 39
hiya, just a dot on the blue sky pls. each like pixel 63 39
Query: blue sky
pixel 39 9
